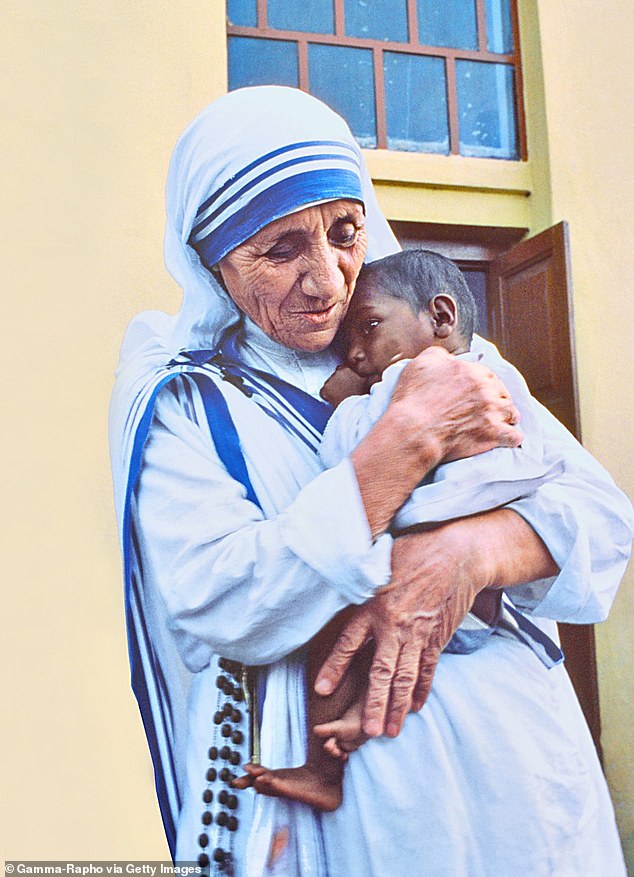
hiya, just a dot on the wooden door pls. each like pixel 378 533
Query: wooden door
pixel 530 320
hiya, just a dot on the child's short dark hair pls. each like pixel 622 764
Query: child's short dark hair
pixel 416 276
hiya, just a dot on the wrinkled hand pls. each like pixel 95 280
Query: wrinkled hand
pixel 433 586
pixel 343 382
pixel 463 406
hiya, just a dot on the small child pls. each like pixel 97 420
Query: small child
pixel 402 305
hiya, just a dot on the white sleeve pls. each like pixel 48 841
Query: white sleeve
pixel 228 581
pixel 353 418
pixel 586 523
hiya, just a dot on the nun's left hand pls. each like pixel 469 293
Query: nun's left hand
pixel 436 576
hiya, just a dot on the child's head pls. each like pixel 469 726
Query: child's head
pixel 403 304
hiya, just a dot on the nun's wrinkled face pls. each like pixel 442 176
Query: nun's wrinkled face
pixel 295 277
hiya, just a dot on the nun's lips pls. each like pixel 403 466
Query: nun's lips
pixel 320 316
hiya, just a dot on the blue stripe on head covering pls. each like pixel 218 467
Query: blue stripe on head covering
pixel 273 202
pixel 307 147
pixel 210 219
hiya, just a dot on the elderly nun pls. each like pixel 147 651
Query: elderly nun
pixel 238 548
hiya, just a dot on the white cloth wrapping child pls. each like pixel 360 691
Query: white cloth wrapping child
pixel 461 487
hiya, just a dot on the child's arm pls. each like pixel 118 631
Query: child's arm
pixel 356 414
pixel 343 382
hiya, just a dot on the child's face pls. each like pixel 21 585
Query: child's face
pixel 380 330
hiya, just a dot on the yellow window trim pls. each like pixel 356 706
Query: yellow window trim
pixel 451 189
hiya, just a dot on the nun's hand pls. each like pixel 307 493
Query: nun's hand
pixel 436 576
pixel 463 406
pixel 431 591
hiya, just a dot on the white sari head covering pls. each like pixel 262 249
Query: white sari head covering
pixel 252 156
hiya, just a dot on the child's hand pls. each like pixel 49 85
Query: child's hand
pixel 345 735
pixel 343 382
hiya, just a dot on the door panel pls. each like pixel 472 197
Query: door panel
pixel 530 320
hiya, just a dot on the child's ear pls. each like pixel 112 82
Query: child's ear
pixel 444 313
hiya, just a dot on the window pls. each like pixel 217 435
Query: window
pixel 439 76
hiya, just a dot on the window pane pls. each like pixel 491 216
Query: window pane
pixel 499 28
pixel 242 13
pixel 448 23
pixel 313 16
pixel 416 103
pixel 344 79
pixel 486 109
pixel 377 20
pixel 262 62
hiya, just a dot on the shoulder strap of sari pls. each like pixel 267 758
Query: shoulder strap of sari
pixel 297 412
pixel 148 681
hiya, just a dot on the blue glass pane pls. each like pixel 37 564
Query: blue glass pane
pixel 377 19
pixel 316 16
pixel 242 12
pixel 448 23
pixel 344 79
pixel 486 109
pixel 262 62
pixel 416 103
pixel 499 28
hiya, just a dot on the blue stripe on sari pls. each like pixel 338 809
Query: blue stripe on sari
pixel 277 200
pixel 197 231
pixel 306 144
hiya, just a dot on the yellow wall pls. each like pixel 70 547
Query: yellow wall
pixel 590 120
pixel 97 95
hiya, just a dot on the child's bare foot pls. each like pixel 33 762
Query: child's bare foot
pixel 308 784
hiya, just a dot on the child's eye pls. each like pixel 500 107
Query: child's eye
pixel 368 326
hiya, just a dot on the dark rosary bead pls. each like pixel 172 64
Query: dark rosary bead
pixel 223 794
pixel 225 775
pixel 232 823
pixel 206 818
pixel 232 802
pixel 211 774
pixel 208 796
pixel 227 709
pixel 238 694
pixel 203 840
pixel 225 752
pixel 235 759
pixel 213 753
pixel 219 855
pixel 226 730
pixel 219 718
pixel 221 682
pixel 237 737
pixel 222 818
pixel 236 716
pixel 203 860
pixel 230 666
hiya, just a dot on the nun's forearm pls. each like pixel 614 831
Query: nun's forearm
pixel 386 472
